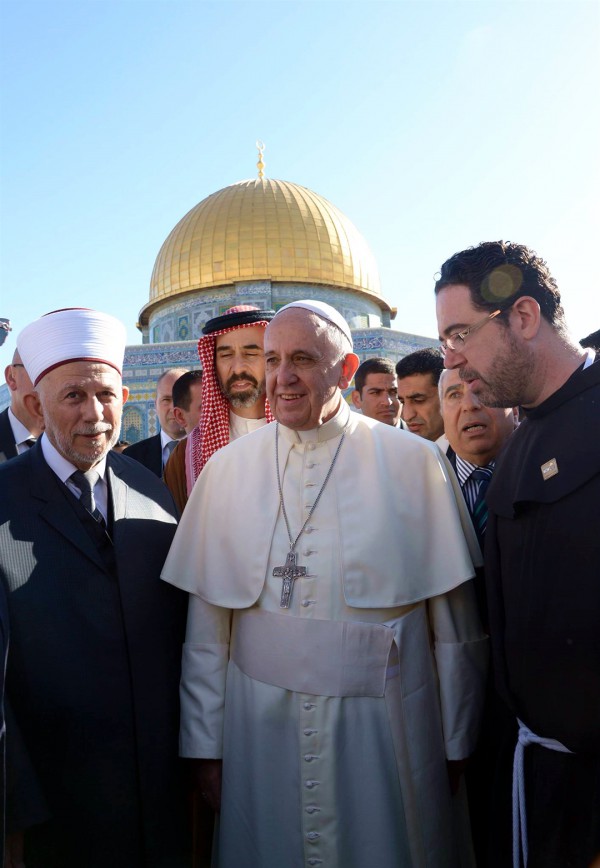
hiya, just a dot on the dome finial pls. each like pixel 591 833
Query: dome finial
pixel 260 165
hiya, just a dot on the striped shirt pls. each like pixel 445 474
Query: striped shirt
pixel 470 487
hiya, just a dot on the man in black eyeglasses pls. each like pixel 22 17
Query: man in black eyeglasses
pixel 502 327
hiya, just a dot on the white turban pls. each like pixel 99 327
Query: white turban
pixel 71 335
pixel 325 311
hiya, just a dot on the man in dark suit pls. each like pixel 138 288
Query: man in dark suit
pixel 154 452
pixel 375 392
pixel 418 376
pixel 93 668
pixel 18 428
pixel 474 436
pixel 187 404
pixel 3 653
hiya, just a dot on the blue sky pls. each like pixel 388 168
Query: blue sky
pixel 432 125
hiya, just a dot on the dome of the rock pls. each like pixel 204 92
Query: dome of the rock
pixel 261 230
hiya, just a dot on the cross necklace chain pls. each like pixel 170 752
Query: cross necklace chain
pixel 291 571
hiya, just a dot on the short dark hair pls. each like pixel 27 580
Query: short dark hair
pixel 371 366
pixel 426 361
pixel 592 341
pixel 182 396
pixel 497 273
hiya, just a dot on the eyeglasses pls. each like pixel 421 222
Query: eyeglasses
pixel 458 339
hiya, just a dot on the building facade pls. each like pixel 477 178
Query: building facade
pixel 263 242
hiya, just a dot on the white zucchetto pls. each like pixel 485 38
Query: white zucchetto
pixel 325 311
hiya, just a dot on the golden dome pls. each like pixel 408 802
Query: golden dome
pixel 263 230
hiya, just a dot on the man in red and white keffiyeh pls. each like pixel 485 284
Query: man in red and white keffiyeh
pixel 233 383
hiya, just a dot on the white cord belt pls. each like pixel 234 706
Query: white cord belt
pixel 526 737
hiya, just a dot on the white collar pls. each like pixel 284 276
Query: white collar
pixel 333 428
pixel 165 439
pixel 465 468
pixel 240 425
pixel 59 464
pixel 590 358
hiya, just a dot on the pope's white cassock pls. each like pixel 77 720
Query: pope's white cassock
pixel 334 717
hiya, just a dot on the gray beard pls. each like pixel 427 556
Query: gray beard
pixel 66 449
pixel 245 399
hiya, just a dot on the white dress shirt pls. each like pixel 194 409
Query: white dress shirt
pixel 21 434
pixel 64 470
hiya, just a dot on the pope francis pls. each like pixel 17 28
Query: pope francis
pixel 333 660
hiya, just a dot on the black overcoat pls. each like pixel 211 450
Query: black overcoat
pixel 149 453
pixel 542 564
pixel 93 671
pixel 8 447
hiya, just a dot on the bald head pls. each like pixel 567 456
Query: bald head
pixel 164 403
pixel 17 380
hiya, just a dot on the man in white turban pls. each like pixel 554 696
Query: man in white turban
pixel 334 659
pixel 93 669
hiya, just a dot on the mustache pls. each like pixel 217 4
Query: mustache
pixel 99 428
pixel 234 378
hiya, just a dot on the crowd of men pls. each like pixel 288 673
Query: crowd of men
pixel 278 612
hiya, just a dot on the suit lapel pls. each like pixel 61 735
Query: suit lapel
pixel 117 489
pixel 8 447
pixel 157 457
pixel 55 507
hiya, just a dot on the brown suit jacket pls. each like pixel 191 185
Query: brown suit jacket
pixel 174 475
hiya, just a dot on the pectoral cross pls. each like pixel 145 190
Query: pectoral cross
pixel 288 573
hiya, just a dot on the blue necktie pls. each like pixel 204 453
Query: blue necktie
pixel 170 446
pixel 482 475
pixel 85 482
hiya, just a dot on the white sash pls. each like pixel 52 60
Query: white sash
pixel 325 658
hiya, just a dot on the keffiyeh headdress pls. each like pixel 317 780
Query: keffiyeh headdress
pixel 212 432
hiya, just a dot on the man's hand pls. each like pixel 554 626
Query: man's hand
pixel 207 781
